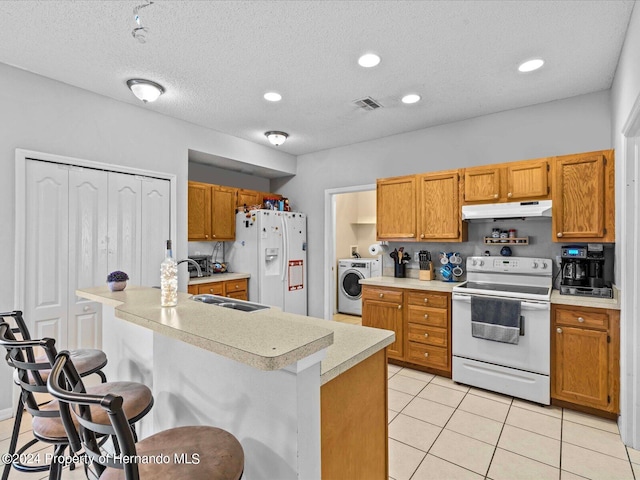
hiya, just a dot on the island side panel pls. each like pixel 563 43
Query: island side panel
pixel 274 414
pixel 354 426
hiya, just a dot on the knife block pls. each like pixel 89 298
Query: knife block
pixel 427 274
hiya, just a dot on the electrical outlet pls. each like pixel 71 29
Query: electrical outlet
pixel 416 256
pixel 354 250
pixel 558 260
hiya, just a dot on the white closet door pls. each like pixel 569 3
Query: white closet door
pixel 88 190
pixel 156 205
pixel 47 250
pixel 125 225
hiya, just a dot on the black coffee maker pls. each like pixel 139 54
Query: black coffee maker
pixel 595 265
pixel 574 266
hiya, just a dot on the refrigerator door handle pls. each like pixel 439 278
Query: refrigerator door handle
pixel 285 248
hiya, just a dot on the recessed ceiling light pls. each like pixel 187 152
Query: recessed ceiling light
pixel 272 96
pixel 531 65
pixel 411 98
pixel 369 60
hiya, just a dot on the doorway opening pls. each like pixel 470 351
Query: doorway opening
pixel 350 229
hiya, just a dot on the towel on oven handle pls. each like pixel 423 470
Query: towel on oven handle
pixel 496 319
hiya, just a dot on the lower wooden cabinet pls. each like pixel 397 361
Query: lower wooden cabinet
pixel 585 357
pixel 421 321
pixel 229 288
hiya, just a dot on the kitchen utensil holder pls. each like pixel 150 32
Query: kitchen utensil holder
pixel 399 270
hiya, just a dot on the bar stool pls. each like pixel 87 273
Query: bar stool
pixel 46 423
pixel 87 361
pixel 196 453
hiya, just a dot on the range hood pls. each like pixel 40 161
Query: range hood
pixel 540 208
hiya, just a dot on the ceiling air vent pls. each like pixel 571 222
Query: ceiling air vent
pixel 367 103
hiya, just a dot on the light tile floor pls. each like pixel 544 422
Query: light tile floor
pixel 442 430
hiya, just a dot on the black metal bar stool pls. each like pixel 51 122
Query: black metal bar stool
pixel 87 361
pixel 46 423
pixel 196 453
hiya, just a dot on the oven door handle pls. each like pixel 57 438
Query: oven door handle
pixel 460 297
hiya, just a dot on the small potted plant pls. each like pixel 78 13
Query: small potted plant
pixel 117 280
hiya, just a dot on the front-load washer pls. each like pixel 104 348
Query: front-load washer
pixel 350 272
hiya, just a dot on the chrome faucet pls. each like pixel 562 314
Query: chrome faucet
pixel 192 262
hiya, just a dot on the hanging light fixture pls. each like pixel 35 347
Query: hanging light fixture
pixel 145 90
pixel 276 138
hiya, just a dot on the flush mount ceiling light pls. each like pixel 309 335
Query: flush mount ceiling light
pixel 145 90
pixel 369 60
pixel 411 98
pixel 531 65
pixel 272 96
pixel 276 138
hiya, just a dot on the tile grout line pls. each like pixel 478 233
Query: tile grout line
pixel 498 440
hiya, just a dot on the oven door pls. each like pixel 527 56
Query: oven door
pixel 531 354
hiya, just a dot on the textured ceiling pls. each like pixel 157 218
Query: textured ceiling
pixel 217 58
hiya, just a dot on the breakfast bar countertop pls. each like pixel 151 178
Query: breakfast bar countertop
pixel 218 277
pixel 266 339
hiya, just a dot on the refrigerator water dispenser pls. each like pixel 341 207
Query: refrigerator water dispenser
pixel 271 261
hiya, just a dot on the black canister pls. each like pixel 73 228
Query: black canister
pixel 399 270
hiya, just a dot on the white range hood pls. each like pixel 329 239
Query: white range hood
pixel 540 208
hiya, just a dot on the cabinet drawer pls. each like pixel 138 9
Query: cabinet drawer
pixel 429 356
pixel 216 288
pixel 236 285
pixel 434 317
pixel 382 294
pixel 582 318
pixel 242 295
pixel 428 335
pixel 434 300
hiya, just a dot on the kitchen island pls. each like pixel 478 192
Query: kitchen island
pixel 302 395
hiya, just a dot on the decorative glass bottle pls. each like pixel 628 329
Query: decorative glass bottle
pixel 168 279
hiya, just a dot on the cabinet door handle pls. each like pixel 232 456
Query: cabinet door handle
pixel 509 194
pixel 422 235
pixel 381 295
pixel 399 307
pixel 559 234
pixel 214 235
pixel 580 319
pixel 86 308
pixel 495 195
pixel 559 330
pixel 206 236
pixel 426 354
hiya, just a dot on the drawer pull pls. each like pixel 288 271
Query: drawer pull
pixel 211 290
pixel 580 319
pixel 381 295
pixel 426 354
pixel 559 330
pixel 426 300
pixel 426 315
pixel 399 306
pixel 426 335
pixel 237 286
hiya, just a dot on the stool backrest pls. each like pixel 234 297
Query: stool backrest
pixel 74 401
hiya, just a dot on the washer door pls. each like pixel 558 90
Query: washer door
pixel 349 284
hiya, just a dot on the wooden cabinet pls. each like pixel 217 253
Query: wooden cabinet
pixel 212 212
pixel 585 357
pixel 421 321
pixel 428 341
pixel 199 224
pixel 584 198
pixel 439 216
pixel 396 208
pixel 507 182
pixel 229 288
pixel 248 198
pixel 382 308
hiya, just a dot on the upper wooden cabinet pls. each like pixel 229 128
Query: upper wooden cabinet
pixel 439 207
pixel 248 197
pixel 584 198
pixel 212 212
pixel 396 208
pixel 199 225
pixel 507 182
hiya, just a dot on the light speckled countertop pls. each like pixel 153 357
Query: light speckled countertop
pixel 266 339
pixel 218 277
pixel 412 283
pixel 439 286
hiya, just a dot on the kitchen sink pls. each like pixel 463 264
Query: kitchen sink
pixel 228 303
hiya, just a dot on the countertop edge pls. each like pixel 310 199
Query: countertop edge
pixel 218 277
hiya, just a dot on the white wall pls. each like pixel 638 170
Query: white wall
pixel 625 92
pixel 567 126
pixel 44 115
pixel 199 172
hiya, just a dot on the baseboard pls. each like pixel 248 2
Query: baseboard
pixel 6 414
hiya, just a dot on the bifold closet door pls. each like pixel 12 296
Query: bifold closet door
pixel 46 275
pixel 156 225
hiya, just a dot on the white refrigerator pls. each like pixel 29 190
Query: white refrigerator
pixel 272 247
